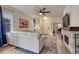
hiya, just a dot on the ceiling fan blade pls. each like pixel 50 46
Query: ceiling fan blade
pixel 36 10
pixel 46 12
pixel 43 13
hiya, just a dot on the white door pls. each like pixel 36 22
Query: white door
pixel 46 25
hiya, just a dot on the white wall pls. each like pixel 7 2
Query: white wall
pixel 74 14
pixel 57 20
pixel 16 15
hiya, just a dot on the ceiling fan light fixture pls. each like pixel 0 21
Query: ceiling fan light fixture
pixel 40 13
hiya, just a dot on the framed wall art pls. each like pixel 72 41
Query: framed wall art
pixel 23 23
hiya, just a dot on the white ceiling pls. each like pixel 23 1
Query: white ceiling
pixel 56 10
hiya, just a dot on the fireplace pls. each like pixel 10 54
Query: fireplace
pixel 66 39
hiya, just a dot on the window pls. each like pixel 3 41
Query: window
pixel 7 24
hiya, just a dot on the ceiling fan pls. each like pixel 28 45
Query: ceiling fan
pixel 42 11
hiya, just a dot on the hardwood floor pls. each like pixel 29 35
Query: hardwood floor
pixel 62 49
pixel 3 48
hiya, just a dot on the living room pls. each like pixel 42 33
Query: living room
pixel 40 29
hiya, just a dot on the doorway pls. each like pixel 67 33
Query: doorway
pixel 57 27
